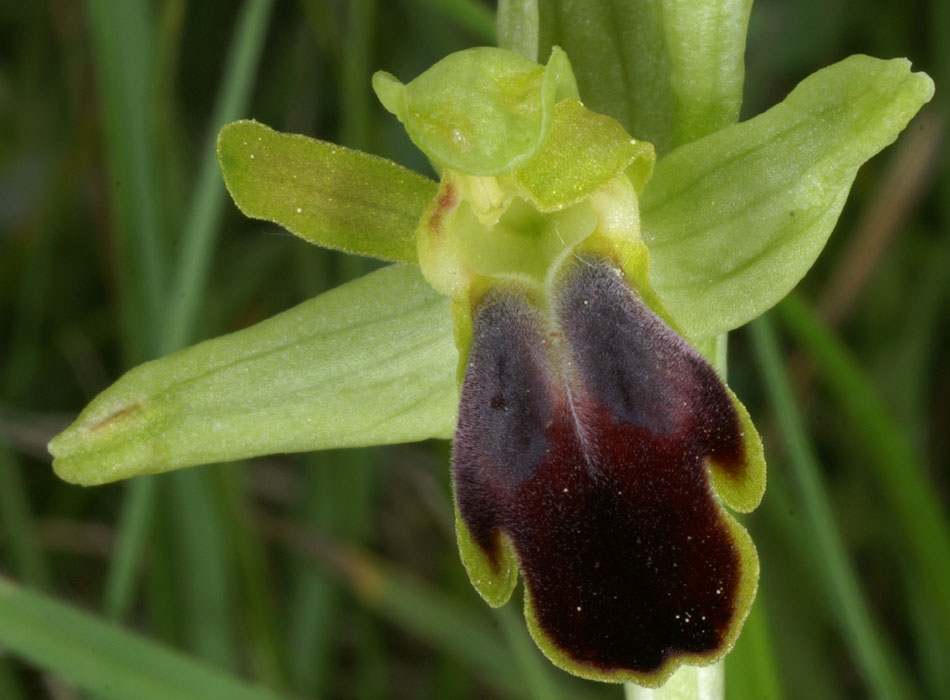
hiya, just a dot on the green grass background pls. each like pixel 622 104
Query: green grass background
pixel 335 575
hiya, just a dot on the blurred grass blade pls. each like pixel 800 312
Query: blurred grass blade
pixel 10 688
pixel 440 620
pixel 207 204
pixel 123 50
pixel 315 597
pixel 537 673
pixel 902 480
pixel 206 570
pixel 254 580
pixel 870 651
pixel 188 283
pixel 104 659
pixel 356 73
pixel 751 668
pixel 17 531
pixel 135 520
pixel 473 15
pixel 210 566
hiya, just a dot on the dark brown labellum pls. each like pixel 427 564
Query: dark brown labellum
pixel 584 434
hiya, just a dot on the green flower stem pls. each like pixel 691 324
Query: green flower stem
pixel 870 651
pixel 687 683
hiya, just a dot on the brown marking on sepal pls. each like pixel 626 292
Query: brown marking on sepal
pixel 114 417
pixel 447 201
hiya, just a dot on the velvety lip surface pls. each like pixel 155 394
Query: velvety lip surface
pixel 583 436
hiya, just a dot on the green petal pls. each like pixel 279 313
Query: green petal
pixel 734 221
pixel 371 362
pixel 669 71
pixel 327 194
pixel 482 111
pixel 584 152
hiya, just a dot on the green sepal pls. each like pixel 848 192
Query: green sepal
pixel 734 220
pixel 482 111
pixel 371 362
pixel 326 194
pixel 583 152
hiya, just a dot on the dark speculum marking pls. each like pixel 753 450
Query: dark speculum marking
pixel 589 451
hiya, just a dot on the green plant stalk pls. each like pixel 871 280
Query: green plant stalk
pixel 687 683
pixel 875 660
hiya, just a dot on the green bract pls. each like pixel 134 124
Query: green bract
pixel 547 204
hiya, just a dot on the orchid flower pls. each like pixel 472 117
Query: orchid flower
pixel 556 305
